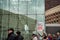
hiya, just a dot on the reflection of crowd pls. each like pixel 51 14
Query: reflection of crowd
pixel 52 36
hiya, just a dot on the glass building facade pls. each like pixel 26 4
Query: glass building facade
pixel 18 14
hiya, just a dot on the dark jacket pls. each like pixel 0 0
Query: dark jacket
pixel 11 36
pixel 19 37
pixel 58 38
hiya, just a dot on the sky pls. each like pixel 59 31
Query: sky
pixel 24 7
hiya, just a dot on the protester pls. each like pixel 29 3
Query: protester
pixel 45 38
pixel 54 37
pixel 49 36
pixel 58 36
pixel 11 35
pixel 18 36
pixel 34 37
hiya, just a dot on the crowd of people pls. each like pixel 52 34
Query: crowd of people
pixel 52 36
pixel 47 37
pixel 12 36
pixel 18 36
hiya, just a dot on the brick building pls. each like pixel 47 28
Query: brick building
pixel 52 8
pixel 52 11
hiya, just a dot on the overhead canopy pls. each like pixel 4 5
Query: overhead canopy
pixel 53 25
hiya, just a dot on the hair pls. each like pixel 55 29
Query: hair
pixel 18 32
pixel 34 35
pixel 11 29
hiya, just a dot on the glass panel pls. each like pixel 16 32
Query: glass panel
pixel 13 21
pixel 36 6
pixel 4 26
pixel 31 24
pixel 41 18
pixel 20 15
pixel 0 25
pixel 1 2
pixel 23 7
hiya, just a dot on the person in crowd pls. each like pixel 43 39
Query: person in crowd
pixel 49 36
pixel 19 36
pixel 34 37
pixel 58 36
pixel 45 38
pixel 54 37
pixel 11 35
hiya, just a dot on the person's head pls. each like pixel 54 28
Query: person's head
pixel 58 33
pixel 18 33
pixel 11 30
pixel 54 35
pixel 49 34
